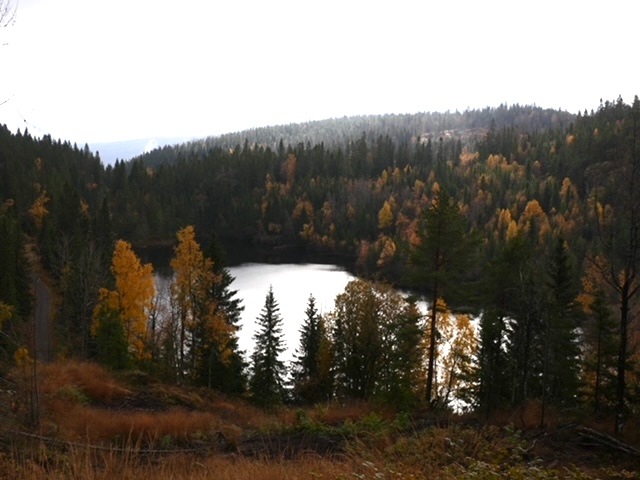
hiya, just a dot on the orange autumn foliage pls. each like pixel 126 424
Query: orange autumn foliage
pixel 132 299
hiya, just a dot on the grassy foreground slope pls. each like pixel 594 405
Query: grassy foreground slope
pixel 84 422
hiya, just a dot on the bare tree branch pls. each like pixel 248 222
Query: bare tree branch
pixel 8 11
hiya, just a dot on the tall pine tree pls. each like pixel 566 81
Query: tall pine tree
pixel 268 371
pixel 443 254
pixel 309 383
pixel 561 351
pixel 224 373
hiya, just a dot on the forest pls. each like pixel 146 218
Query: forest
pixel 523 218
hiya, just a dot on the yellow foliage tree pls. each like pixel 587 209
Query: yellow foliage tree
pixel 512 230
pixel 131 300
pixel 303 209
pixel 327 213
pixel 385 216
pixel 534 221
pixel 39 208
pixel 291 163
pixel 6 311
pixel 455 352
pixel 382 181
pixel 388 251
pixel 202 330
pixel 22 357
pixel 467 157
pixel 397 176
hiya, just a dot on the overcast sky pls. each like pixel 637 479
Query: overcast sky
pixel 98 70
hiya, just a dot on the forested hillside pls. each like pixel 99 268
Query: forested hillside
pixel 404 129
pixel 527 218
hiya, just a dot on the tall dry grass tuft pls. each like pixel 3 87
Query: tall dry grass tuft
pixel 82 402
pixel 241 413
pixel 336 413
pixel 90 464
pixel 90 379
pixel 96 425
pixel 530 416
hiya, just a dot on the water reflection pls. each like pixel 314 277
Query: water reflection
pixel 292 284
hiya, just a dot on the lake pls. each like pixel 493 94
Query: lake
pixel 292 284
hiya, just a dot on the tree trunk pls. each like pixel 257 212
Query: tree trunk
pixel 596 392
pixel 545 369
pixel 622 359
pixel 432 342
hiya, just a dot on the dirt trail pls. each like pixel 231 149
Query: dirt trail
pixel 42 325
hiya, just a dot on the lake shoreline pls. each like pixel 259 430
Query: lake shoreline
pixel 239 253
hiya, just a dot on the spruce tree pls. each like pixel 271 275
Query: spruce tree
pixel 442 257
pixel 267 380
pixel 110 341
pixel 600 354
pixel 308 382
pixel 16 299
pixel 500 295
pixel 225 374
pixel 617 244
pixel 561 351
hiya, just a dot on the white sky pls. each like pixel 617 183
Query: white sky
pixel 98 70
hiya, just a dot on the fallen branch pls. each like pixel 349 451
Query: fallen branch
pixel 595 438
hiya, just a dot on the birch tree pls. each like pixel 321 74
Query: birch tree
pixel 130 301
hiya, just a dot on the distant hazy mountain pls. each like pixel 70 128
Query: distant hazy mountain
pixel 127 149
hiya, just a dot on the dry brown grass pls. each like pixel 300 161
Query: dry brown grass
pixel 90 379
pixel 337 413
pixel 95 429
pixel 82 402
pixel 97 425
pixel 528 416
pixel 90 465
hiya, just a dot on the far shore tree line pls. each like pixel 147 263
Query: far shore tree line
pixel 532 227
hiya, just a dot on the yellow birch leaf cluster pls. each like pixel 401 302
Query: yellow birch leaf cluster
pixel 193 272
pixel 191 289
pixel 385 216
pixel 455 351
pixel 6 311
pixel 132 298
pixel 388 251
pixel 39 208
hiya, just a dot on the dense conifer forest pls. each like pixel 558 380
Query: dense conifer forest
pixel 525 218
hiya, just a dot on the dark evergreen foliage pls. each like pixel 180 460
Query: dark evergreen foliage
pixel 310 384
pixel 442 257
pixel 377 344
pixel 561 342
pixel 267 382
pixel 521 177
pixel 226 375
pixel 110 342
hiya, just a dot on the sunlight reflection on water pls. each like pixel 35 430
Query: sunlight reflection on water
pixel 292 284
